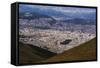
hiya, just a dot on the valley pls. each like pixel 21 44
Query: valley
pixel 53 40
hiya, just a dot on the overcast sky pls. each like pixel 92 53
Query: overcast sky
pixel 63 9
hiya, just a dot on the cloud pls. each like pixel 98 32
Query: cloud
pixel 64 9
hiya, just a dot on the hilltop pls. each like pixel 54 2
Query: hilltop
pixel 31 54
pixel 86 51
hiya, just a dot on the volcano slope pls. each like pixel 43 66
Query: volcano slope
pixel 86 51
pixel 29 54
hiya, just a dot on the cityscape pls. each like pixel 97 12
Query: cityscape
pixel 56 29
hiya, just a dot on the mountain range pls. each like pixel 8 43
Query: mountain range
pixel 52 11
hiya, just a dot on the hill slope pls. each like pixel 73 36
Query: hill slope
pixel 30 54
pixel 86 51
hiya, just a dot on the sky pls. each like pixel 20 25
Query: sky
pixel 64 9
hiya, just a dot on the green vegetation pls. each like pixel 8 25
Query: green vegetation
pixel 86 51
pixel 31 54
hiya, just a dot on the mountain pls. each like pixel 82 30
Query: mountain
pixel 29 54
pixel 48 12
pixel 32 15
pixel 35 20
pixel 81 21
pixel 58 11
pixel 77 18
pixel 86 51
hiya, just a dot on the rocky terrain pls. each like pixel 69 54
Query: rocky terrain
pixel 53 40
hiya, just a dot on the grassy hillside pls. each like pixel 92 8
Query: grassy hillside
pixel 86 51
pixel 30 54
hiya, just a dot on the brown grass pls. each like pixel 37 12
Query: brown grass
pixel 29 54
pixel 86 51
